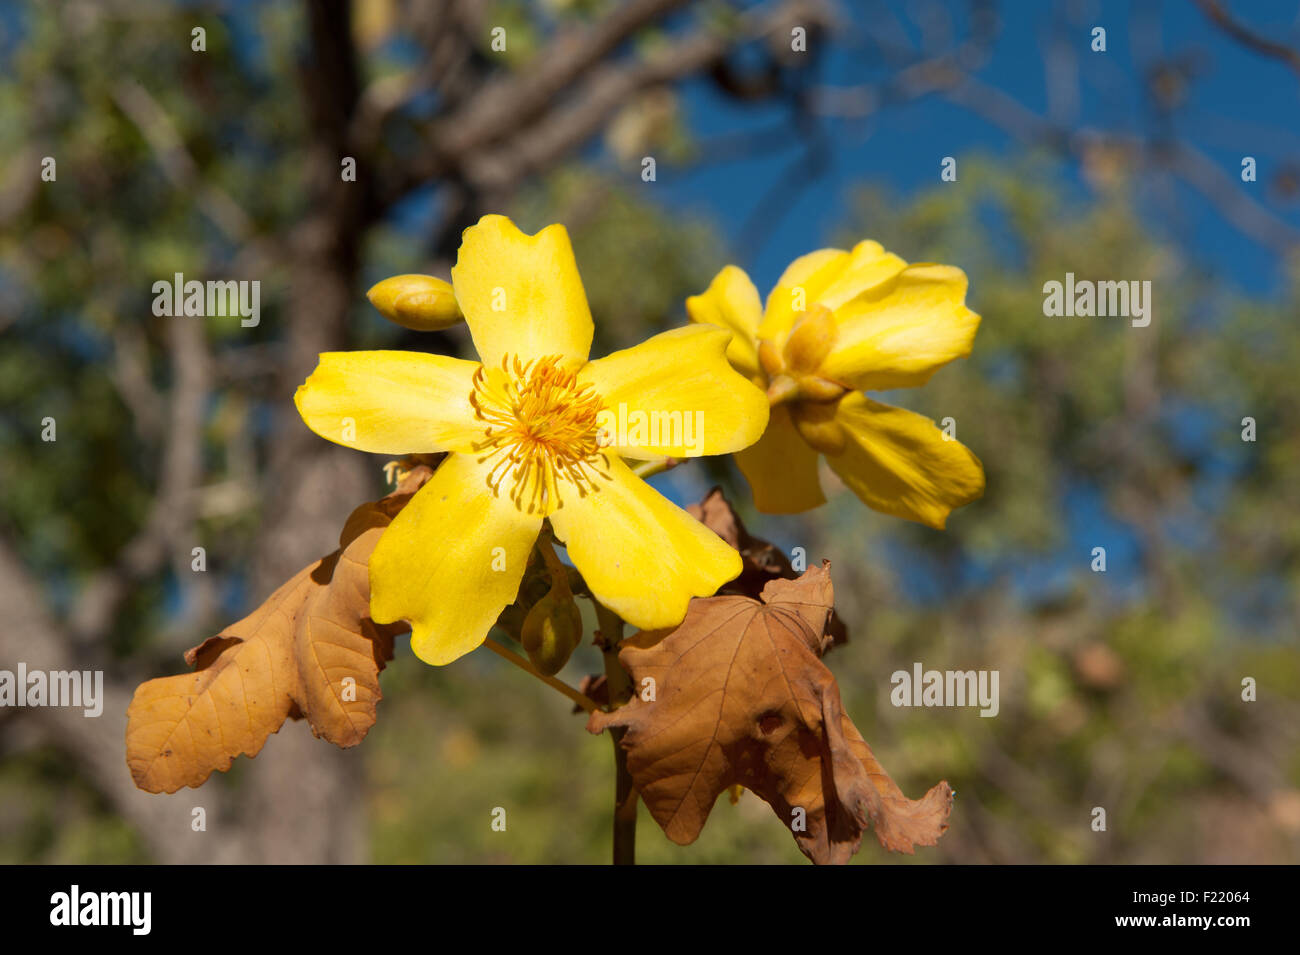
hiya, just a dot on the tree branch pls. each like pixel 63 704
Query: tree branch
pixel 31 634
pixel 173 509
pixel 1244 35
pixel 610 88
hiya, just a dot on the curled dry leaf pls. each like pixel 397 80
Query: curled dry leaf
pixel 595 687
pixel 742 698
pixel 311 650
pixel 763 561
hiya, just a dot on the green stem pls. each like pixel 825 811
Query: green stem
pixel 554 566
pixel 619 684
pixel 649 468
pixel 504 651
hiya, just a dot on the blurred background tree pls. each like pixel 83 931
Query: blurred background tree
pixel 1119 690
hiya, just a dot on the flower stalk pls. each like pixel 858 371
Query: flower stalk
pixel 619 684
pixel 506 653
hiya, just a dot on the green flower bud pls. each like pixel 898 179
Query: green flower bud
pixel 552 629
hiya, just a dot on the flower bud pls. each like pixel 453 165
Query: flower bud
pixel 814 388
pixel 769 357
pixel 810 341
pixel 419 302
pixel 816 424
pixel 552 630
pixel 782 388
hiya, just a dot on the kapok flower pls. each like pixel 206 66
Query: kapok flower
pixel 839 323
pixel 529 436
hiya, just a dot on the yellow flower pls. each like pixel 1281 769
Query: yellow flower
pixel 839 323
pixel 536 431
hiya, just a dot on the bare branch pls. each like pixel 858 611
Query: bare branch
pixel 1215 11
pixel 533 116
pixel 158 131
pixel 173 510
pixel 517 98
pixel 130 375
pixel 608 89
pixel 33 636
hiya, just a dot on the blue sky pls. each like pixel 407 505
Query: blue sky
pixel 1238 103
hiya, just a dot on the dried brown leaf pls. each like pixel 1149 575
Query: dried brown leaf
pixel 310 651
pixel 595 687
pixel 763 561
pixel 742 698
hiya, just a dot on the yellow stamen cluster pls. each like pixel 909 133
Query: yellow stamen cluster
pixel 541 427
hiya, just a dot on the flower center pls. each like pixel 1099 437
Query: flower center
pixel 541 428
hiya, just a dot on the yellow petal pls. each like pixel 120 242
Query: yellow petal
pixel 899 334
pixel 781 468
pixel 521 294
pixel 799 285
pixel 827 277
pixel 898 462
pixel 677 395
pixel 451 561
pixel 868 266
pixel 731 302
pixel 391 402
pixel 642 555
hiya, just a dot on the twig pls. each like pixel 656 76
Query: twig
pixel 1247 37
pixel 506 653
pixel 658 466
pixel 158 131
pixel 619 684
pixel 174 505
pixel 509 130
